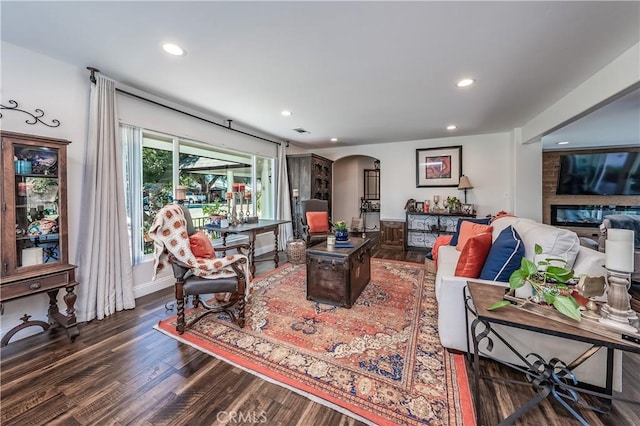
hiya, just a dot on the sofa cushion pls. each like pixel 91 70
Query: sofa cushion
pixel 454 240
pixel 500 223
pixel 318 221
pixel 504 257
pixel 473 256
pixel 555 242
pixel 469 230
pixel 201 245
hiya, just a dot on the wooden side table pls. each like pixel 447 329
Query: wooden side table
pixel 550 377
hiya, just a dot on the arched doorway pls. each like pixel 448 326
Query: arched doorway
pixel 349 190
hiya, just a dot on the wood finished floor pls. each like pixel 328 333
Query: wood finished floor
pixel 120 371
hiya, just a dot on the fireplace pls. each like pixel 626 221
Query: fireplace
pixel 588 216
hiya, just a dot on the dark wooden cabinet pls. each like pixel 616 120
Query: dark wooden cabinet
pixel 392 234
pixel 35 229
pixel 311 175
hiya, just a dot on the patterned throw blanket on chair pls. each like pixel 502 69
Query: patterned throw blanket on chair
pixel 169 234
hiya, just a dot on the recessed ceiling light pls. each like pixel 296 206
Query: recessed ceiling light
pixel 334 139
pixel 452 127
pixel 465 82
pixel 563 143
pixel 286 113
pixel 173 49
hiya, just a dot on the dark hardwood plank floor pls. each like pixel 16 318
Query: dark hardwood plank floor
pixel 121 371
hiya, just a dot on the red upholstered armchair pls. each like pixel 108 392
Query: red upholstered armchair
pixel 316 221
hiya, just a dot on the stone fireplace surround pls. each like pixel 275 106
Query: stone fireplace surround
pixel 550 168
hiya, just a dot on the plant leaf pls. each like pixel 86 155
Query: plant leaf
pixel 538 249
pixel 567 306
pixel 516 280
pixel 559 274
pixel 528 266
pixel 499 304
pixel 548 297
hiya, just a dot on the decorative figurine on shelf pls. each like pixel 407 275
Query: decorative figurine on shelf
pixel 410 205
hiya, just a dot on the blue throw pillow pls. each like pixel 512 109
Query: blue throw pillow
pixel 482 221
pixel 504 257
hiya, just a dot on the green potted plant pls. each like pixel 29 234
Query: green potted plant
pixel 548 282
pixel 340 230
pixel 214 211
pixel 453 204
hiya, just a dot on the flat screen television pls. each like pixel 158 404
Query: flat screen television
pixel 608 173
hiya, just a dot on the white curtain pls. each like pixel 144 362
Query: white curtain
pixel 282 195
pixel 104 266
pixel 132 171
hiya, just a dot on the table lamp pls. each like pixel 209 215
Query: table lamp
pixel 464 185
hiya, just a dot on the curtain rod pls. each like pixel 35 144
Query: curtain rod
pixel 92 78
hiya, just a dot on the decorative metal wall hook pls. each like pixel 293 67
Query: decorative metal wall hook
pixel 35 116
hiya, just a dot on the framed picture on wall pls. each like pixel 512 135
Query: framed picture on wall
pixel 438 166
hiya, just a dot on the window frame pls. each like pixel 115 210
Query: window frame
pixel 133 176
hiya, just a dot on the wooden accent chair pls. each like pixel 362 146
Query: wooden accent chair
pixel 229 288
pixel 310 233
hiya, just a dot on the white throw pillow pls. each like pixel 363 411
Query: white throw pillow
pixel 555 242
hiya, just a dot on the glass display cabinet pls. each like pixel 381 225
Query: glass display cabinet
pixel 34 231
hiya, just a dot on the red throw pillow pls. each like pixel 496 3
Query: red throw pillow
pixel 473 256
pixel 442 240
pixel 469 230
pixel 318 221
pixel 201 245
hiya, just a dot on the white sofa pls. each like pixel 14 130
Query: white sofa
pixel 556 242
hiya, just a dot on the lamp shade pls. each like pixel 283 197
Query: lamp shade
pixel 465 183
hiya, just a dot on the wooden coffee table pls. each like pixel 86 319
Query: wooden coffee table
pixel 337 276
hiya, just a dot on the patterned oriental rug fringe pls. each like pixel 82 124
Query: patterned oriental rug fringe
pixel 380 361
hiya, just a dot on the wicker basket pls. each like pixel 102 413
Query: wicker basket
pixel 296 251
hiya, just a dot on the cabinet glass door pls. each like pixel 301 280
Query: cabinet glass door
pixel 37 197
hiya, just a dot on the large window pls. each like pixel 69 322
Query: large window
pixel 155 164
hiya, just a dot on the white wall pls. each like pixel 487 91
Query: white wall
pixel 62 92
pixel 486 160
pixel 345 202
pixel 527 171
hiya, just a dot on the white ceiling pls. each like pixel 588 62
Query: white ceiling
pixel 364 72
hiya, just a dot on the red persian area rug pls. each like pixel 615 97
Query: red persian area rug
pixel 380 361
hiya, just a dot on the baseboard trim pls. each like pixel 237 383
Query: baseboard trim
pixel 153 286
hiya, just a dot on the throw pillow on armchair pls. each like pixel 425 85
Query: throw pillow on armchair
pixel 201 246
